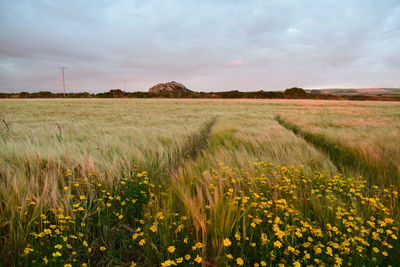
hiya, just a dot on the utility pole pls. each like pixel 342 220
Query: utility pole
pixel 63 79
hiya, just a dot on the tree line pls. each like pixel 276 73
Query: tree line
pixel 290 93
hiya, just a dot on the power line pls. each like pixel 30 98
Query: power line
pixel 63 78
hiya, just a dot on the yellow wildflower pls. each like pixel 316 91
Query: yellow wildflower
pixel 226 242
pixel 57 254
pixel 239 261
pixel 198 259
pixel 278 244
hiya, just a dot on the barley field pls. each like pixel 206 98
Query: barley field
pixel 179 182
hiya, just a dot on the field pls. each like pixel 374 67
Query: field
pixel 164 182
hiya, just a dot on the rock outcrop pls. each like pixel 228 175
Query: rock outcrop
pixel 169 87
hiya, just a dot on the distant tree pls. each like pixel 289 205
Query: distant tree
pixel 295 92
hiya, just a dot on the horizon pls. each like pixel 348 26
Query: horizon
pixel 207 46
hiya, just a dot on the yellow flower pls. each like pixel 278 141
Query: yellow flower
pixel 237 236
pixel 153 228
pixel 58 246
pixel 171 249
pixel 142 242
pixel 47 231
pixel 133 264
pixel 197 245
pixel 278 244
pixel 375 249
pixel 57 254
pixel 329 251
pixel 338 260
pixel 226 242
pixel 168 263
pixel 263 263
pixel 67 265
pixel 103 248
pixel 239 261
pixel 229 256
pixel 198 259
pixel 187 257
pixel 85 243
pixel 296 264
pixel 28 250
pixel 45 260
pixel 82 197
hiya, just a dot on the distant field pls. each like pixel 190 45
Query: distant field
pixel 367 91
pixel 199 182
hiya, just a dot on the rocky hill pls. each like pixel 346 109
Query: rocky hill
pixel 173 87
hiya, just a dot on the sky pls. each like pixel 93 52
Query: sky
pixel 245 45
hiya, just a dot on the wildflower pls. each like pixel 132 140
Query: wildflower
pixel 142 242
pixel 56 254
pixel 197 245
pixel 179 260
pixel 133 264
pixel 226 242
pixel 338 260
pixel 229 256
pixel 296 264
pixel 67 265
pixel 171 249
pixel 263 263
pixel 278 244
pixel 329 251
pixel 82 197
pixel 28 250
pixel 153 228
pixel 237 236
pixel 58 246
pixel 47 231
pixel 45 260
pixel 239 261
pixel 375 249
pixel 187 257
pixel 103 248
pixel 85 243
pixel 168 263
pixel 198 259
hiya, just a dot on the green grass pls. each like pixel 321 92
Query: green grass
pixel 211 167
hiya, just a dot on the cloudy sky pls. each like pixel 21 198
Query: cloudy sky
pixel 206 45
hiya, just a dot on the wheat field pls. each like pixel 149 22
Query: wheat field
pixel 165 182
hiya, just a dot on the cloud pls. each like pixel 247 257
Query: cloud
pixel 236 62
pixel 206 45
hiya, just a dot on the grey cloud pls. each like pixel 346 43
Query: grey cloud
pixel 275 44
